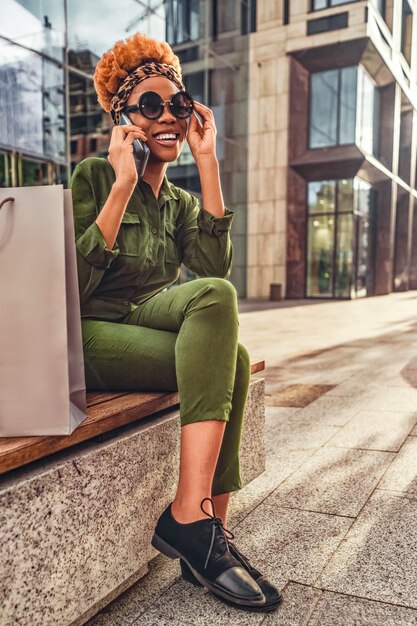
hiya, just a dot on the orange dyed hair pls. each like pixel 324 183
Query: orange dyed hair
pixel 116 63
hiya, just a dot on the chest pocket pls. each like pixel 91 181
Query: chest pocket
pixel 171 250
pixel 129 234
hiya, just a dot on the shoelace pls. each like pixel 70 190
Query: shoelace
pixel 242 557
pixel 215 522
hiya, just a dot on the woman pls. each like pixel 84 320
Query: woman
pixel 131 237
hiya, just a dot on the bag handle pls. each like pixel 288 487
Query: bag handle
pixel 9 199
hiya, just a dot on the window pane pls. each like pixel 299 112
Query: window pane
pixel 344 255
pixel 413 260
pixel 320 256
pixel 406 30
pixel 321 196
pixel 226 15
pixel 323 109
pixel 195 19
pixel 406 123
pixel 364 262
pixel 5 171
pixel 380 5
pixel 319 4
pixel 362 196
pixel 54 123
pixel 345 196
pixel 21 107
pixel 34 173
pixel 35 24
pixel 365 111
pixel 336 3
pixel 194 83
pixel 348 80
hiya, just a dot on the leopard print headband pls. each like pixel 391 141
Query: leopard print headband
pixel 136 76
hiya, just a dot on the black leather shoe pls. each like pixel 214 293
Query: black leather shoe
pixel 204 547
pixel 272 596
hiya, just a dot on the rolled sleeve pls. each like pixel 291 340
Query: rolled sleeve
pixel 93 257
pixel 212 225
pixel 93 249
pixel 205 242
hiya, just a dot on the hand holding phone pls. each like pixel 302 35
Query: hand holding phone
pixel 140 149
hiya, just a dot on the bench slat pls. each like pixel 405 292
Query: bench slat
pixel 95 397
pixel 106 411
pixel 257 366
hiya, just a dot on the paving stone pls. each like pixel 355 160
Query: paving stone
pixel 397 380
pixel 373 378
pixel 279 466
pixel 334 375
pixel 338 610
pixel 402 475
pixel 132 603
pixel 392 399
pixel 328 481
pixel 298 602
pixel 377 559
pixel 302 436
pixel 376 430
pixel 331 377
pixel 279 375
pixel 330 411
pixel 350 388
pixel 186 605
pixel 307 605
pixel 286 544
pixel 280 463
pixel 297 395
pixel 409 374
pixel 278 414
pixel 326 360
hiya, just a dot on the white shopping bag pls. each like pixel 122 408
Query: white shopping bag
pixel 42 382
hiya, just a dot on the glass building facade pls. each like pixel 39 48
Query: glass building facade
pixel 33 132
pixel 340 108
pixel 49 115
pixel 344 109
pixel 352 179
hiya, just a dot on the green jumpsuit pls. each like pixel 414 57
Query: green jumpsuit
pixel 139 335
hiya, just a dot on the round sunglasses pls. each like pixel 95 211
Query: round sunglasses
pixel 151 105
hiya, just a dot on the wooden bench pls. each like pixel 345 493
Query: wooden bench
pixel 77 512
pixel 106 413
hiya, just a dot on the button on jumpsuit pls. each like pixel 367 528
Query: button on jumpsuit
pixel 138 335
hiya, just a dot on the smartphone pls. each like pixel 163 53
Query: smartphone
pixel 140 149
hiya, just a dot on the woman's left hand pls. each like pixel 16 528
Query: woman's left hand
pixel 201 137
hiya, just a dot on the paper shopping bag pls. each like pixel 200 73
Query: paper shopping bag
pixel 42 382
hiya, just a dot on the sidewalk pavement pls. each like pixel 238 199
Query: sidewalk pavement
pixel 332 520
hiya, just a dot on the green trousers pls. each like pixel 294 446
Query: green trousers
pixel 183 339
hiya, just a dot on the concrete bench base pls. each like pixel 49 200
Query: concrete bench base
pixel 76 527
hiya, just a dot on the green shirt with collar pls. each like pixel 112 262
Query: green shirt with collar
pixel 155 237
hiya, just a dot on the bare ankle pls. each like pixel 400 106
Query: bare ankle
pixel 187 512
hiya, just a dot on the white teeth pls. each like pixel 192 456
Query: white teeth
pixel 167 136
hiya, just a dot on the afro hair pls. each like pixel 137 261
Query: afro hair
pixel 116 63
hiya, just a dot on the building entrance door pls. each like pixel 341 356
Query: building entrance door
pixel 340 239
